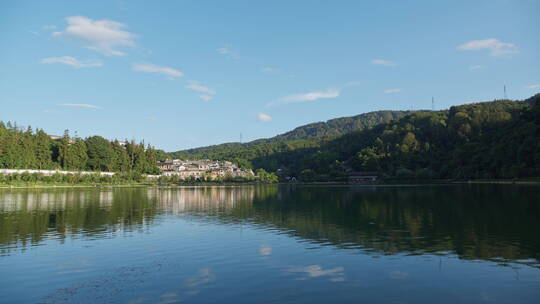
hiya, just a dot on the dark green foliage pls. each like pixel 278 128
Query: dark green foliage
pixel 499 139
pixel 43 150
pixel 340 126
pixel 101 154
pixel 28 150
pixel 489 140
pixel 266 177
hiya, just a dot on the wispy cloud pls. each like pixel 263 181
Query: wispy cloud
pixel 533 86
pixel 264 117
pixel 476 67
pixel 79 105
pixel 196 86
pixel 494 46
pixel 270 70
pixel 383 62
pixel 206 97
pixel 228 51
pixel 49 27
pixel 392 91
pixel 72 61
pixel 152 118
pixel 305 97
pixel 151 68
pixel 103 36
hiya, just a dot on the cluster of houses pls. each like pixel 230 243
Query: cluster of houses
pixel 200 168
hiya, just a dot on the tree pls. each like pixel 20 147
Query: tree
pixel 79 154
pixel 43 150
pixel 101 155
pixel 121 157
pixel 65 157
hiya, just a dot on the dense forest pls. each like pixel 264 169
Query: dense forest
pixel 26 149
pixel 307 136
pixel 498 139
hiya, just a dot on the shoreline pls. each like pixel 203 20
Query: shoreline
pixel 209 184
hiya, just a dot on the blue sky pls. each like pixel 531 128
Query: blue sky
pixel 181 74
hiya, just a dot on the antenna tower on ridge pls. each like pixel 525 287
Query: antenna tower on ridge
pixel 504 88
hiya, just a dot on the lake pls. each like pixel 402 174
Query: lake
pixel 271 244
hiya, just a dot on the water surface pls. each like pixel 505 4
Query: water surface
pixel 271 244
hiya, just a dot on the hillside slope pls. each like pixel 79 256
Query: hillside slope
pixel 498 139
pixel 309 135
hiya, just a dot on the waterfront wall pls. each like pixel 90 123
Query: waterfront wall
pixel 51 172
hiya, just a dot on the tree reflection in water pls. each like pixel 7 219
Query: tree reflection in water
pixel 490 222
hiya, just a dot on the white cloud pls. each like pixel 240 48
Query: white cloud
pixel 264 117
pixel 270 70
pixel 103 36
pixel 310 96
pixel 196 86
pixel 533 86
pixel 391 91
pixel 228 51
pixel 151 118
pixel 383 62
pixel 49 27
pixel 79 105
pixel 223 50
pixel 151 68
pixel 476 67
pixel 72 61
pixel 494 46
pixel 206 97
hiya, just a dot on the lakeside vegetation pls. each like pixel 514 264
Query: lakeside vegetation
pixel 26 149
pixel 125 179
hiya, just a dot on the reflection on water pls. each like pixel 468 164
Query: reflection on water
pixel 476 222
pixel 492 223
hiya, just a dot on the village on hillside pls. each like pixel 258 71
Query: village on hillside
pixel 185 169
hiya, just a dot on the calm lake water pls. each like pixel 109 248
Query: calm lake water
pixel 271 244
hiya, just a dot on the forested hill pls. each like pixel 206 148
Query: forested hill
pixel 301 137
pixel 498 139
pixel 340 126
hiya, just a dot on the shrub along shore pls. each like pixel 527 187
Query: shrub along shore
pixel 135 179
pixel 129 178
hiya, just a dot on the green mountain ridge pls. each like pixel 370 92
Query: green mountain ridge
pixel 487 140
pixel 304 136
pixel 496 139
